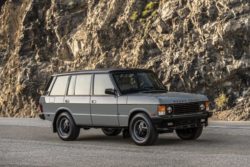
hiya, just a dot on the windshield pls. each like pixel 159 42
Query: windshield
pixel 132 82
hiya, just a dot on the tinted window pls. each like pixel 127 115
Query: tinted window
pixel 49 85
pixel 60 85
pixel 102 82
pixel 82 85
pixel 138 82
pixel 71 90
pixel 126 81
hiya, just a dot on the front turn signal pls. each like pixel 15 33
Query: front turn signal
pixel 207 105
pixel 161 109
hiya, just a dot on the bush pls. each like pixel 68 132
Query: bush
pixel 134 16
pixel 149 9
pixel 151 5
pixel 221 101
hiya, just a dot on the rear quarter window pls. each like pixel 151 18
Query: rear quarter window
pixel 49 85
pixel 60 85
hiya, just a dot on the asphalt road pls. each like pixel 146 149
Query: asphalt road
pixel 30 142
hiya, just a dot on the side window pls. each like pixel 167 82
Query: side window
pixel 71 90
pixel 102 82
pixel 60 85
pixel 83 84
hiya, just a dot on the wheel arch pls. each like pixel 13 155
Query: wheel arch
pixel 137 111
pixel 58 112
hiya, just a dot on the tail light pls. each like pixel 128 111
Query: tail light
pixel 41 108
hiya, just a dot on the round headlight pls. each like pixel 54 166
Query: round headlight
pixel 202 107
pixel 169 110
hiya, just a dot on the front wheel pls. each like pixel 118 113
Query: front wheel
pixel 66 127
pixel 142 131
pixel 190 133
pixel 111 131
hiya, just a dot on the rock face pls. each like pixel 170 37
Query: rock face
pixel 200 46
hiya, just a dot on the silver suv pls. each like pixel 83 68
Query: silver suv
pixel 131 101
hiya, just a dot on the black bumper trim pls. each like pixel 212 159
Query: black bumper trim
pixel 182 120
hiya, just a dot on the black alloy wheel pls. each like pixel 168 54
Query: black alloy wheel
pixel 66 127
pixel 142 131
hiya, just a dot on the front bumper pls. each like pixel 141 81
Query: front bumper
pixel 182 121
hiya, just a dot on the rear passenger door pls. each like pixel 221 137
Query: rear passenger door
pixel 77 98
pixel 103 106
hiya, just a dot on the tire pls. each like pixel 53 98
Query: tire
pixel 142 131
pixel 111 131
pixel 190 133
pixel 66 127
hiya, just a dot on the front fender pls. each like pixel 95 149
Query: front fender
pixel 150 110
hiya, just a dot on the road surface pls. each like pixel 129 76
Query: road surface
pixel 30 142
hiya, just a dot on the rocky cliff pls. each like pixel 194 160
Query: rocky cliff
pixel 200 46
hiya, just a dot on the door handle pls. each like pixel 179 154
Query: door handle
pixel 93 101
pixel 66 100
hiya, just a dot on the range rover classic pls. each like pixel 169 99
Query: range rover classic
pixel 129 101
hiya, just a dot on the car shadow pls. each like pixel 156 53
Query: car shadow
pixel 176 141
pixel 170 141
pixel 162 141
pixel 103 138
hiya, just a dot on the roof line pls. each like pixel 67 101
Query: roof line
pixel 101 71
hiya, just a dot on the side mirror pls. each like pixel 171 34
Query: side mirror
pixel 110 91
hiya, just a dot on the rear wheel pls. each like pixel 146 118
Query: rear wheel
pixel 190 133
pixel 111 131
pixel 142 130
pixel 66 127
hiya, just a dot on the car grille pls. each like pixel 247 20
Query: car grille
pixel 182 108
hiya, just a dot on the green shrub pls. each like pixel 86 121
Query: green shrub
pixel 221 101
pixel 146 13
pixel 151 5
pixel 154 13
pixel 149 9
pixel 134 16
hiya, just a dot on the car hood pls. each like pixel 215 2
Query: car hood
pixel 179 97
pixel 170 97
